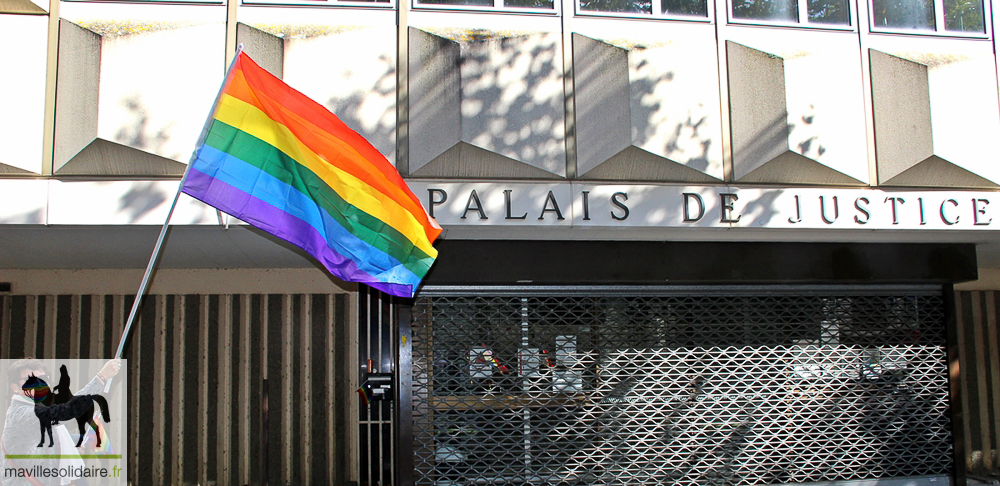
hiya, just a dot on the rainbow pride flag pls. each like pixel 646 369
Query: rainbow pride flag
pixel 90 439
pixel 282 162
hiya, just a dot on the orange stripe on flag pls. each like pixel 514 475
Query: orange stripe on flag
pixel 325 135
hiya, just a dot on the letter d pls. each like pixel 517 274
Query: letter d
pixel 687 207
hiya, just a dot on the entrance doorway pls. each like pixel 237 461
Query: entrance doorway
pixel 708 385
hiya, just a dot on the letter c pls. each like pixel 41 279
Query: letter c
pixel 944 217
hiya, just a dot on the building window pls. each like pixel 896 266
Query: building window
pixel 521 5
pixel 321 3
pixel 957 16
pixel 804 12
pixel 657 8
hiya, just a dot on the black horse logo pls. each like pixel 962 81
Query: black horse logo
pixel 52 408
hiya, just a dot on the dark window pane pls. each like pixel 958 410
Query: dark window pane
pixel 471 3
pixel 786 10
pixel 529 3
pixel 903 14
pixel 829 12
pixel 685 7
pixel 964 16
pixel 625 6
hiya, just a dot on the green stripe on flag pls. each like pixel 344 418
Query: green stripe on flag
pixel 377 233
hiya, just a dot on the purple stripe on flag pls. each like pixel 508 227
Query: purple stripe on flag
pixel 283 225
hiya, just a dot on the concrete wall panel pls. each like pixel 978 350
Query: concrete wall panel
pixel 158 103
pixel 601 82
pixel 936 114
pixel 758 116
pixel 265 48
pixel 672 126
pixel 24 6
pixel 826 120
pixel 512 98
pixel 77 86
pixel 22 92
pixel 351 71
pixel 23 201
pixel 498 93
pixel 156 76
pixel 901 102
pixel 964 113
pixel 817 115
pixel 675 104
pixel 435 96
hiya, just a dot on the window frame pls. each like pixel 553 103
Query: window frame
pixel 497 7
pixel 390 5
pixel 154 2
pixel 803 19
pixel 656 15
pixel 939 24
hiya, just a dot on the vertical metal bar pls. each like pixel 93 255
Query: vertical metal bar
pixel 204 322
pixel 379 427
pixel 30 327
pixel 334 398
pixel 247 373
pixel 803 16
pixel 953 321
pixel 159 388
pixel 50 326
pixel 74 327
pixel 5 326
pixel 288 379
pixel 568 7
pixel 177 393
pixel 404 397
pixel 51 69
pixel 939 20
pixel 374 407
pixel 225 376
pixel 994 366
pixel 402 88
pixel 263 434
pixel 980 311
pixel 303 368
pixel 525 411
pixel 363 411
pixel 385 357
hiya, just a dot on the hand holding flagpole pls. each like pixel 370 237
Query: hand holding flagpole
pixel 163 231
pixel 283 163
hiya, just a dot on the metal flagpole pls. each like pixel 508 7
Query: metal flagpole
pixel 166 224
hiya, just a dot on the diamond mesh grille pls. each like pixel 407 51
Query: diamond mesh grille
pixel 689 390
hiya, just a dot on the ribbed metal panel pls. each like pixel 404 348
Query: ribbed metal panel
pixel 977 313
pixel 724 386
pixel 200 370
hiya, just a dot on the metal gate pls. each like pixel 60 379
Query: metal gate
pixel 686 386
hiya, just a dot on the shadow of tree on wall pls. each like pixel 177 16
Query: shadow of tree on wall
pixel 687 143
pixel 140 200
pixel 762 208
pixel 764 140
pixel 137 133
pixel 359 109
pixel 31 217
pixel 810 131
pixel 665 107
pixel 512 97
